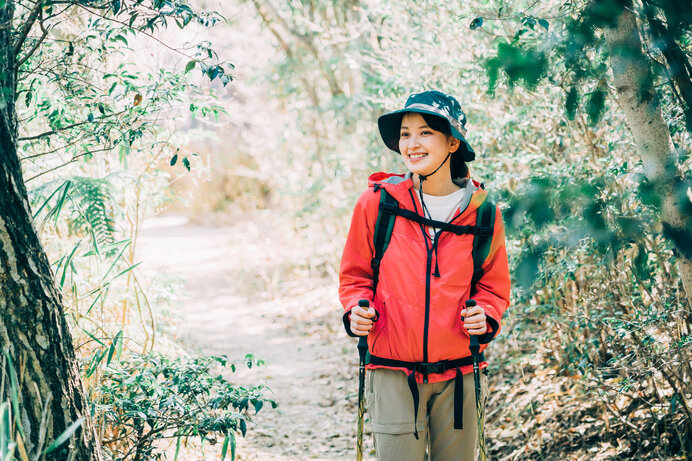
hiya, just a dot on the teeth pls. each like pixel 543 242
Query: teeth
pixel 414 156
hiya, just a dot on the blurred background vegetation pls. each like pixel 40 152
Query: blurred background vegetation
pixel 273 112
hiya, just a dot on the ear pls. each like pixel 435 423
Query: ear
pixel 454 144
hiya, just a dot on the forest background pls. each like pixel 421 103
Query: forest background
pixel 263 113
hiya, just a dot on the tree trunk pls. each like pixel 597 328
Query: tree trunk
pixel 639 102
pixel 33 329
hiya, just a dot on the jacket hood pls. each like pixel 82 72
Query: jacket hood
pixel 398 186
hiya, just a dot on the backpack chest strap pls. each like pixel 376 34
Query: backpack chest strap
pixel 392 209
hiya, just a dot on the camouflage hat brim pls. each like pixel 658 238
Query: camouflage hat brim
pixel 390 127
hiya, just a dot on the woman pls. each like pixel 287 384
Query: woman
pixel 420 383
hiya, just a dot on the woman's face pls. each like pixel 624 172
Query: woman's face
pixel 422 148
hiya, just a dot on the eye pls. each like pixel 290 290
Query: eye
pixel 426 132
pixel 403 135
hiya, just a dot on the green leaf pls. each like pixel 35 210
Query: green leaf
pixel 65 184
pixel 232 446
pixel 127 270
pixel 114 346
pixel 64 436
pixel 174 159
pixel 544 23
pixel 572 102
pixel 90 117
pixel 6 448
pixel 14 391
pixel 190 65
pixel 476 23
pixel 224 447
pixel 596 105
pixel 67 263
pixel 186 163
pixel 3 3
pixel 243 427
pixel 115 261
pixel 121 39
pixel 94 338
pixel 258 406
pixel 177 448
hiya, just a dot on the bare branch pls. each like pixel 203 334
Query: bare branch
pixel 24 33
pixel 33 48
pixel 72 160
pixel 51 132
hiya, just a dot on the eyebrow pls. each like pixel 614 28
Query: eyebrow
pixel 422 126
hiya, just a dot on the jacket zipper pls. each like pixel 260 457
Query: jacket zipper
pixel 427 309
pixel 429 247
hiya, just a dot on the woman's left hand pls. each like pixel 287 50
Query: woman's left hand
pixel 474 320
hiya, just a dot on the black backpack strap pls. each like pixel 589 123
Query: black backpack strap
pixel 485 220
pixel 383 232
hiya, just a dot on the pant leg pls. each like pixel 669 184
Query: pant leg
pixel 447 443
pixel 390 406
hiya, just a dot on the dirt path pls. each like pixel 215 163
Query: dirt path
pixel 250 288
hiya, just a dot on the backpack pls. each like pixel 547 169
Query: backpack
pixel 389 210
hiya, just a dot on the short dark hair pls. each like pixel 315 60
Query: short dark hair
pixel 458 167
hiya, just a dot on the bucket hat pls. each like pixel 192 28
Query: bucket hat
pixel 428 102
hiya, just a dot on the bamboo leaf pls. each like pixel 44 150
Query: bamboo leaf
pixel 126 270
pixel 68 263
pixel 224 447
pixel 45 202
pixel 233 442
pixel 114 346
pixel 64 436
pixel 14 390
pixel 115 261
pixel 177 448
pixel 94 337
pixel 107 248
pixel 22 449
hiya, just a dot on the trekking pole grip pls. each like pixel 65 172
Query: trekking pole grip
pixel 363 340
pixel 474 346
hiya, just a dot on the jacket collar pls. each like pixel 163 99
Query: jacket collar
pixel 398 186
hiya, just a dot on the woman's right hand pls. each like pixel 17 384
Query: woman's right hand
pixel 362 320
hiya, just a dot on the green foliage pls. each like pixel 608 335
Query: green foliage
pixel 144 399
pixel 12 433
pixel 520 64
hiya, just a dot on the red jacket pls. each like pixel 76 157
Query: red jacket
pixel 399 333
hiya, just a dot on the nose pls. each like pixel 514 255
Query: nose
pixel 411 142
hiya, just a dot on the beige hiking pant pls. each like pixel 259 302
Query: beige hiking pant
pixel 390 405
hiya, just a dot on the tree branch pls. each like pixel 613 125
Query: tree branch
pixel 74 125
pixel 33 48
pixel 175 50
pixel 24 33
pixel 72 160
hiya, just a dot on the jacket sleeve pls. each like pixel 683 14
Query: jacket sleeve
pixel 492 290
pixel 355 272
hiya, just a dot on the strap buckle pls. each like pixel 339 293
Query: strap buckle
pixel 427 368
pixel 375 263
pixel 388 207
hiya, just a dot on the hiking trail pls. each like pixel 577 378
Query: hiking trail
pixel 249 287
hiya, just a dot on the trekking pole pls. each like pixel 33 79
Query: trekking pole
pixel 362 351
pixel 475 348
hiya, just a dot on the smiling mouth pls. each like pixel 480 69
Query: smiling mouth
pixel 416 156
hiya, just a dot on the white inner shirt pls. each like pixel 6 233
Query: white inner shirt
pixel 443 207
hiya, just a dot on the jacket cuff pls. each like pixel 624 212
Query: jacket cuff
pixel 493 326
pixel 347 324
